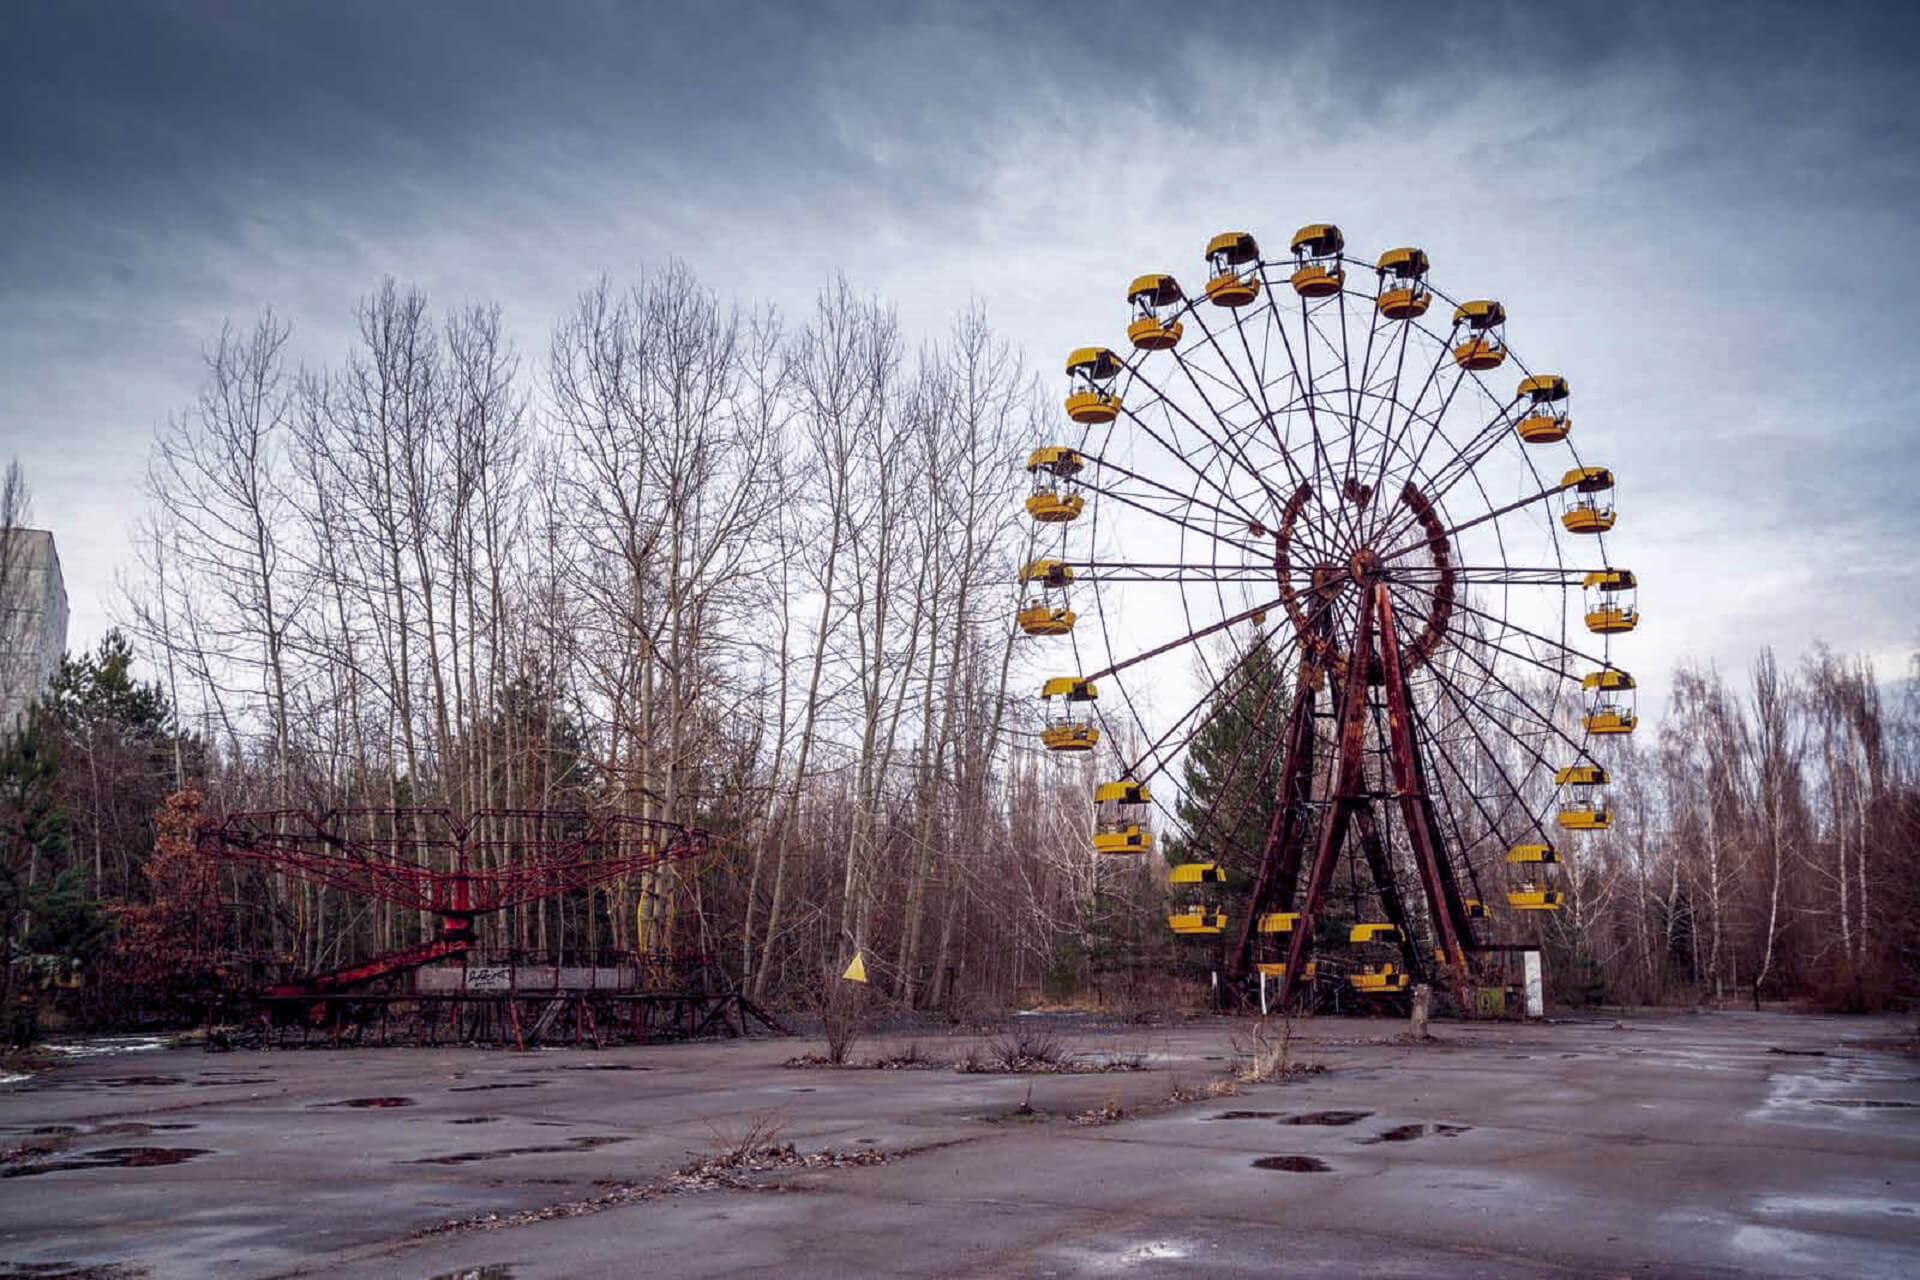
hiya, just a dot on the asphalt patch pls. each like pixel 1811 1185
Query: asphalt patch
pixel 1293 1164
pixel 587 1143
pixel 1328 1117
pixel 110 1158
pixel 1408 1132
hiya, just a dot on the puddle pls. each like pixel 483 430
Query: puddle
pixel 503 1084
pixel 370 1102
pixel 1293 1164
pixel 474 1120
pixel 69 1271
pixel 1245 1115
pixel 1328 1117
pixel 132 1082
pixel 209 1084
pixel 110 1158
pixel 1864 1104
pixel 491 1271
pixel 606 1066
pixel 1408 1132
pixel 586 1143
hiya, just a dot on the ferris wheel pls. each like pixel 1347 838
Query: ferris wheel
pixel 1319 515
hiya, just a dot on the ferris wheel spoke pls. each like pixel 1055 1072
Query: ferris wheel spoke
pixel 1494 823
pixel 1493 514
pixel 1461 703
pixel 1227 447
pixel 1191 721
pixel 1468 457
pixel 1148 508
pixel 1559 646
pixel 1545 721
pixel 1302 372
pixel 1256 404
pixel 1494 575
pixel 1192 637
pixel 1199 474
pixel 1381 530
pixel 1390 434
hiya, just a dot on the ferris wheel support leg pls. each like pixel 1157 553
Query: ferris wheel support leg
pixel 1279 871
pixel 1381 868
pixel 1346 796
pixel 1416 813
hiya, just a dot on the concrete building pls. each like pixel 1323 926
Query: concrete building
pixel 33 620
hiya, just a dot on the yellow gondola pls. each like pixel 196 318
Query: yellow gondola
pixel 1613 709
pixel 1088 401
pixel 1067 733
pixel 1402 273
pixel 1374 932
pixel 1197 873
pixel 1278 969
pixel 1582 808
pixel 1150 330
pixel 1475 909
pixel 1612 611
pixel 1539 854
pixel 1588 514
pixel 1055 498
pixel 1227 286
pixel 1048 573
pixel 1483 349
pixel 1542 425
pixel 1276 922
pixel 1122 837
pixel 1379 979
pixel 1038 618
pixel 1126 791
pixel 1197 920
pixel 1120 827
pixel 1316 251
pixel 1533 898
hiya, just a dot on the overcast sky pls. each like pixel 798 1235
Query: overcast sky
pixel 1703 215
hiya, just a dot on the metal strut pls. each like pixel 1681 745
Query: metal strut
pixel 1416 810
pixel 1280 855
pixel 1345 799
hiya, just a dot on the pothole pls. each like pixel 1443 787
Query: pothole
pixel 1245 1115
pixel 1293 1164
pixel 371 1102
pixel 1408 1132
pixel 1328 1117
pixel 110 1158
pixel 499 1084
pixel 474 1120
pixel 490 1271
pixel 586 1143
pixel 1863 1104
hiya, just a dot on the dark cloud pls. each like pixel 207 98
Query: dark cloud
pixel 1705 212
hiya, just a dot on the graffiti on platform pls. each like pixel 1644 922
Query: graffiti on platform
pixel 490 978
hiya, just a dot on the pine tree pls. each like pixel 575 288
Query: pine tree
pixel 1232 771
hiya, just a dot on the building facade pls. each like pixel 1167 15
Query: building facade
pixel 33 620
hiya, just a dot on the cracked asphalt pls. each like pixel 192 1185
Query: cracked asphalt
pixel 1660 1144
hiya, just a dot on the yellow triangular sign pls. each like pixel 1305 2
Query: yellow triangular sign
pixel 857 971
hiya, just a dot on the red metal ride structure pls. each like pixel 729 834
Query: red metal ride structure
pixel 430 860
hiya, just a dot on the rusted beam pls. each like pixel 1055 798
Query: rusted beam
pixel 1345 795
pixel 1279 869
pixel 1414 811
